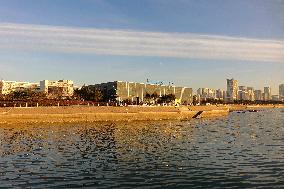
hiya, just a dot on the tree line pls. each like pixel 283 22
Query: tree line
pixel 85 93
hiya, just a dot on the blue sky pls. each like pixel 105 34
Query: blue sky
pixel 249 19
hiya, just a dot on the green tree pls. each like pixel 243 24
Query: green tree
pixel 148 96
pixel 194 100
pixel 20 95
pixel 98 95
pixel 109 95
pixel 167 98
pixel 155 96
pixel 88 93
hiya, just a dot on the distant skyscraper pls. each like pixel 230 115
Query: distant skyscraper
pixel 281 90
pixel 250 92
pixel 242 93
pixel 246 93
pixel 206 93
pixel 220 94
pixel 267 93
pixel 258 95
pixel 232 90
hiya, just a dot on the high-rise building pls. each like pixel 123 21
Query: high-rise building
pixel 267 93
pixel 258 95
pixel 250 94
pixel 242 93
pixel 220 94
pixel 206 93
pixel 232 90
pixel 281 90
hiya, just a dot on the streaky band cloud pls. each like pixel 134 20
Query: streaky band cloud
pixel 137 43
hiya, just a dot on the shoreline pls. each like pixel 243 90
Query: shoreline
pixel 71 114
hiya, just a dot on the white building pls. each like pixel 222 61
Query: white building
pixel 250 94
pixel 7 87
pixel 242 93
pixel 206 93
pixel 62 88
pixel 246 93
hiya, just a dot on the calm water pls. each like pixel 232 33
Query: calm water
pixel 243 150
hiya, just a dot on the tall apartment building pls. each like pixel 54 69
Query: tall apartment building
pixel 246 93
pixel 281 91
pixel 62 88
pixel 232 90
pixel 136 92
pixel 267 93
pixel 250 93
pixel 7 87
pixel 242 93
pixel 206 93
pixel 258 95
pixel 220 94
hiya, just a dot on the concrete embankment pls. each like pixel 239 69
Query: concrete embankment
pixel 110 113
pixel 91 114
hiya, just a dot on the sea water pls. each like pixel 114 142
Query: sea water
pixel 241 150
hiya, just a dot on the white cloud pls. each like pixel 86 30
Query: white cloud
pixel 137 43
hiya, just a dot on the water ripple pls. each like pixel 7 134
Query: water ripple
pixel 238 151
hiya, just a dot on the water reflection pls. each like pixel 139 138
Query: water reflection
pixel 242 150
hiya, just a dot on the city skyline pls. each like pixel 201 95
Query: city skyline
pixel 194 44
pixel 232 86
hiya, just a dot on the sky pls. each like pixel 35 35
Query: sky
pixel 188 42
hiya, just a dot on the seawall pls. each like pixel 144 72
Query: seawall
pixel 103 113
pixel 110 113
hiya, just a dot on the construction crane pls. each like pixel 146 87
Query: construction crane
pixel 159 82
